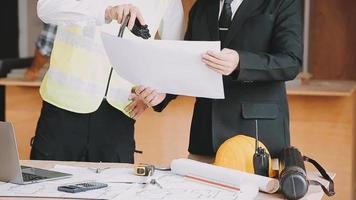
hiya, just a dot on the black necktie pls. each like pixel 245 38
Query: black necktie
pixel 225 19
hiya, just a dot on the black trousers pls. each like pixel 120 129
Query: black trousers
pixel 106 135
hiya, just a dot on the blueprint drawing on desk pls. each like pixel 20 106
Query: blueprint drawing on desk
pixel 173 187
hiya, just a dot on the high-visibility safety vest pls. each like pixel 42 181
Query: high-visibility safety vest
pixel 79 70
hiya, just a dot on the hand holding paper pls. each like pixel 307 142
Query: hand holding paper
pixel 150 96
pixel 136 107
pixel 223 62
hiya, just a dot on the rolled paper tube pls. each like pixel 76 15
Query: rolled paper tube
pixel 222 177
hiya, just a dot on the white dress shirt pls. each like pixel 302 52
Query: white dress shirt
pixel 235 4
pixel 92 12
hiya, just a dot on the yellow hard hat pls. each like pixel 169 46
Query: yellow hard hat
pixel 237 153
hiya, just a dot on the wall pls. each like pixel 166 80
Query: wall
pixel 354 152
pixel 8 41
pixel 29 27
pixel 9 32
pixel 332 41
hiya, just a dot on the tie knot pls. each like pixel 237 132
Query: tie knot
pixel 228 1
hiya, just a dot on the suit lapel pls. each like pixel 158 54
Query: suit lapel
pixel 245 10
pixel 213 15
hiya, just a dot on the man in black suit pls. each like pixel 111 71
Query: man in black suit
pixel 261 49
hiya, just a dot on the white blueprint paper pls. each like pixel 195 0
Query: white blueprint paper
pixel 174 187
pixel 173 67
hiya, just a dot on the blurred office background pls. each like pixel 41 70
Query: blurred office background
pixel 322 100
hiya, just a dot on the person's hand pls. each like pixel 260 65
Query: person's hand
pixel 150 96
pixel 224 62
pixel 136 107
pixel 120 12
pixel 32 74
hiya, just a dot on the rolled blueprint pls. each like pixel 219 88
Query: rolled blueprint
pixel 222 177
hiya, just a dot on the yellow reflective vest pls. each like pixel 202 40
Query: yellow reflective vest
pixel 79 70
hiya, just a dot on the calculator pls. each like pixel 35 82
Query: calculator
pixel 81 187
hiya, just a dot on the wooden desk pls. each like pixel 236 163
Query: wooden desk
pixel 322 113
pixel 323 88
pixel 313 194
pixel 19 82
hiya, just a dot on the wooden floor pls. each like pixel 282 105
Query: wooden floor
pixel 322 127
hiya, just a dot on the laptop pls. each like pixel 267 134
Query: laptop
pixel 10 168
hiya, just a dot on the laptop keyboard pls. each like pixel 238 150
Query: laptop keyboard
pixel 31 177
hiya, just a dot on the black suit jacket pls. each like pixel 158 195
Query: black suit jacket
pixel 267 34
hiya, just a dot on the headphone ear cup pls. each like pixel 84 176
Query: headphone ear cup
pixel 294 184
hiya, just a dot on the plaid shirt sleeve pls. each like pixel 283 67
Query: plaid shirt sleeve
pixel 46 39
